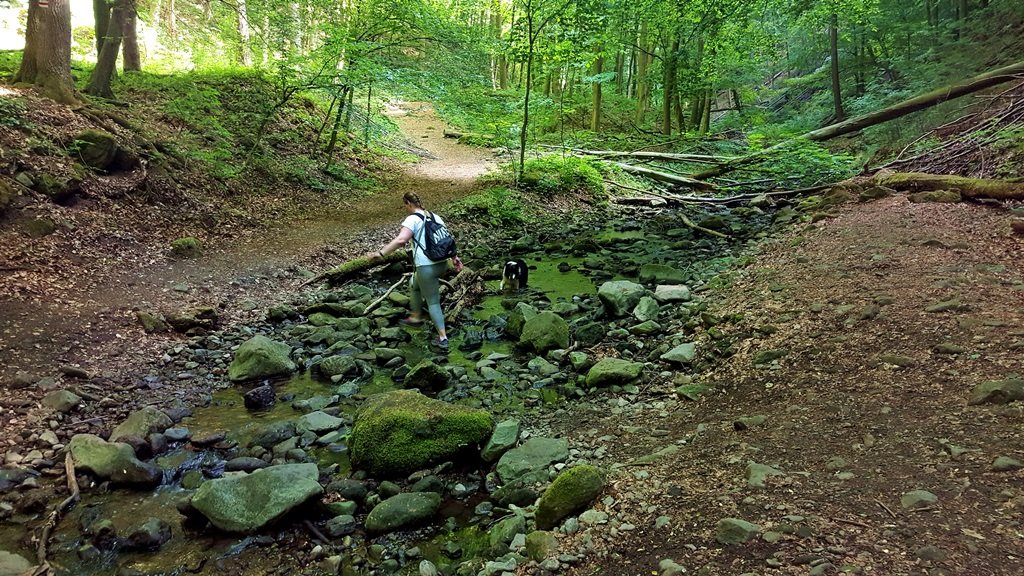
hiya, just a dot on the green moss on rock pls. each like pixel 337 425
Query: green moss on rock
pixel 403 431
pixel 186 247
pixel 571 491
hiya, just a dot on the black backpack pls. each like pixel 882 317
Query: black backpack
pixel 440 244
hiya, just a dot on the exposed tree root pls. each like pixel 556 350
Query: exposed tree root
pixel 55 517
pixel 967 187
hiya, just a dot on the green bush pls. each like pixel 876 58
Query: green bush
pixel 496 206
pixel 554 175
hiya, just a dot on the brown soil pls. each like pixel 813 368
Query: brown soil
pixel 835 395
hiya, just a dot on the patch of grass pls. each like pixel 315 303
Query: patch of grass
pixel 552 176
pixel 497 206
pixel 12 113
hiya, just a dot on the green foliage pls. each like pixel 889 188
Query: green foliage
pixel 496 206
pixel 551 176
pixel 12 113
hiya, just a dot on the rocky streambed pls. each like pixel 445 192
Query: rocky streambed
pixel 331 440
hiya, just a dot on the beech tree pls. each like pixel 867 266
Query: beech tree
pixel 46 61
pixel 103 73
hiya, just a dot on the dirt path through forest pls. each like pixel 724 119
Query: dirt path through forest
pixel 91 322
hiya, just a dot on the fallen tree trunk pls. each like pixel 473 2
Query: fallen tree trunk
pixel 454 134
pixel 967 187
pixel 643 155
pixel 466 289
pixel 354 267
pixel 665 177
pixel 920 102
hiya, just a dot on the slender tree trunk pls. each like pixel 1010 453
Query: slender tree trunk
pixel 929 7
pixel 106 66
pixel 736 100
pixel 680 112
pixel 130 49
pixel 245 51
pixel 620 61
pixel 705 121
pixel 171 20
pixel 596 95
pixel 837 97
pixel 962 11
pixel 337 125
pixel 642 86
pixel 348 108
pixel 669 87
pixel 46 60
pixel 101 22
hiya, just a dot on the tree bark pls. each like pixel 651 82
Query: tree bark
pixel 833 40
pixel 643 93
pixel 596 96
pixel 101 22
pixel 337 126
pixel 665 177
pixel 106 66
pixel 967 187
pixel 669 87
pixel 245 51
pixel 46 60
pixel 132 62
pixel 705 120
pixel 926 100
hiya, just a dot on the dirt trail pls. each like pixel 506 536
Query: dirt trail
pixel 92 322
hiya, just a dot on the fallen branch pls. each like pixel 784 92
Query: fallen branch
pixel 702 229
pixel 643 155
pixel 664 177
pixel 967 187
pixel 317 534
pixel 55 517
pixel 886 508
pixel 466 285
pixel 354 267
pixel 852 522
pixel 376 302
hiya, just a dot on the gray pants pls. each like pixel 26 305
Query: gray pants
pixel 425 285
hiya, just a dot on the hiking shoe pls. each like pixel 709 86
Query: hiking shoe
pixel 410 322
pixel 439 344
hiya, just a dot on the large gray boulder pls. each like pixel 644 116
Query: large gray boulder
pixel 619 297
pixel 13 564
pixel 505 436
pixel 260 357
pixel 247 503
pixel 613 371
pixel 531 460
pixel 545 331
pixel 998 391
pixel 427 376
pixel 401 510
pixel 571 492
pixel 517 319
pixel 141 424
pixel 115 461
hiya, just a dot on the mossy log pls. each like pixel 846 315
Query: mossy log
pixel 967 187
pixel 354 267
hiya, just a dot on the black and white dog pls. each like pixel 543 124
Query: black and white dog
pixel 514 276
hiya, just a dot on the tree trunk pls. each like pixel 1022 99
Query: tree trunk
pixel 596 96
pixel 620 61
pixel 101 22
pixel 337 126
pixel 245 51
pixel 46 60
pixel 680 112
pixel 705 121
pixel 132 62
pixel 526 109
pixel 171 20
pixel 926 100
pixel 643 93
pixel 673 179
pixel 106 66
pixel 967 187
pixel 669 87
pixel 833 40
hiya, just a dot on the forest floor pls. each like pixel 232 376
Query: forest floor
pixel 862 406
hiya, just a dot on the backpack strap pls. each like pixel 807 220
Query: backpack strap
pixel 415 241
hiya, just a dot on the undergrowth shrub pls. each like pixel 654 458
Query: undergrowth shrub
pixel 551 176
pixel 497 206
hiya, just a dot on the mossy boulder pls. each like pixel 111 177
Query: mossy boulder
pixel 141 424
pixel 247 503
pixel 115 461
pixel 260 357
pixel 60 190
pixel 541 544
pixel 620 297
pixel 203 317
pixel 402 510
pixel 613 371
pixel 530 461
pixel 545 331
pixel 151 322
pixel 662 274
pixel 186 247
pixel 402 431
pixel 571 492
pixel 96 148
pixel 998 392
pixel 517 319
pixel 339 365
pixel 6 195
pixel 38 227
pixel 935 196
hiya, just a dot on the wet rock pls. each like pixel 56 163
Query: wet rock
pixel 247 503
pixel 341 525
pixel 613 371
pixel 244 464
pixel 260 357
pixel 757 474
pixel 112 460
pixel 402 510
pixel 545 331
pixel 429 483
pixel 517 319
pixel 533 457
pixel 152 535
pixel 998 392
pixel 260 397
pixel 662 274
pixel 427 568
pixel 504 437
pixel 340 365
pixel 12 564
pixel 204 318
pixel 349 489
pixel 918 499
pixel 275 433
pixel 503 531
pixel 620 297
pixel 735 531
pixel 427 376
pixel 151 322
pixel 142 423
pixel 682 354
pixel 318 422
pixel 590 333
pixel 62 401
pixel 403 431
pixel 647 309
pixel 343 508
pixel 572 490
